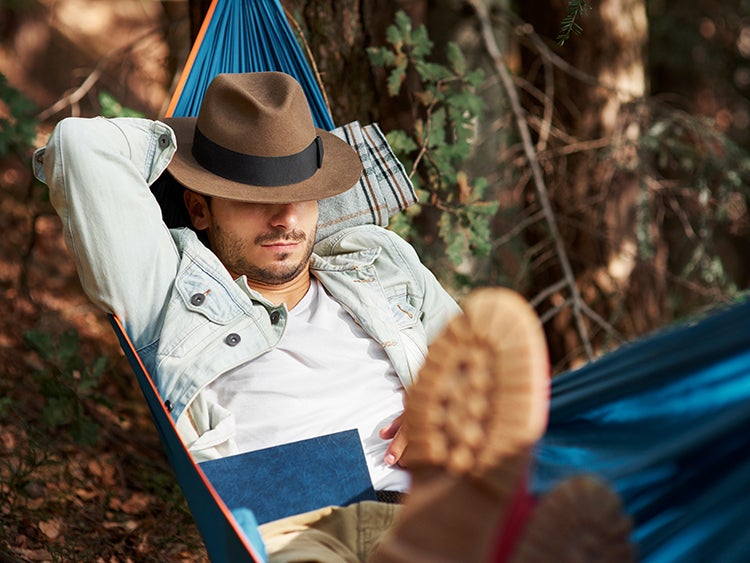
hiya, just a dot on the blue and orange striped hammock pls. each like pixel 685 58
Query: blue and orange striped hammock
pixel 665 420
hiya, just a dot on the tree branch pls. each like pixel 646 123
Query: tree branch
pixel 523 128
pixel 77 95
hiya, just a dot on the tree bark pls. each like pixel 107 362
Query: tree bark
pixel 197 12
pixel 595 194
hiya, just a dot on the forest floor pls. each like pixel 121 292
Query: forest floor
pixel 82 473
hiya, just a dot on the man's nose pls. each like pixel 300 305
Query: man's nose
pixel 285 215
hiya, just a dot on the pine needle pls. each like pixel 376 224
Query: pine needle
pixel 576 10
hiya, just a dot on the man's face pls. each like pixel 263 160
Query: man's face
pixel 271 244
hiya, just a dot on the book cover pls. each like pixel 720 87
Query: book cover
pixel 293 478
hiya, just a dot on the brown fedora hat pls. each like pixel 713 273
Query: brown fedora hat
pixel 254 140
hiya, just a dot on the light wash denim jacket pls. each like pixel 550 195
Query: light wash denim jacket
pixel 188 319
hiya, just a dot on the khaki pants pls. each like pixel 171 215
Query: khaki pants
pixel 329 535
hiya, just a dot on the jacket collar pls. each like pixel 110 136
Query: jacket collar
pixel 342 262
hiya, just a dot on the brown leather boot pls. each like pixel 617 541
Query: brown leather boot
pixel 580 521
pixel 478 408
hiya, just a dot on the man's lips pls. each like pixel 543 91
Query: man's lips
pixel 280 244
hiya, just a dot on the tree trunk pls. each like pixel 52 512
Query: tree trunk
pixel 596 194
pixel 197 12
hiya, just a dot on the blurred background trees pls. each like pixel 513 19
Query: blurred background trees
pixel 604 177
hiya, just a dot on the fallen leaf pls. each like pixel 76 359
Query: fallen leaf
pixel 86 494
pixel 34 490
pixel 51 528
pixel 136 504
pixel 95 468
pixel 128 525
pixel 35 504
pixel 35 554
pixel 8 440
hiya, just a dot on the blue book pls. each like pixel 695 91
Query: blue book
pixel 293 478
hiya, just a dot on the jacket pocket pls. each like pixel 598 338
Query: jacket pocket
pixel 413 337
pixel 199 308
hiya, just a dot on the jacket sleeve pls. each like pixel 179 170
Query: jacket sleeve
pixel 98 171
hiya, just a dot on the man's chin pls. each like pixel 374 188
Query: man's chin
pixel 277 274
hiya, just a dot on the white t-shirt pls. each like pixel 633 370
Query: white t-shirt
pixel 326 375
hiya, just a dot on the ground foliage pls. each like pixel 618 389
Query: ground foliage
pixel 83 476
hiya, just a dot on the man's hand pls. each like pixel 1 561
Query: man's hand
pixel 396 432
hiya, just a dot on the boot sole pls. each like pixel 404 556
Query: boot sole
pixel 481 400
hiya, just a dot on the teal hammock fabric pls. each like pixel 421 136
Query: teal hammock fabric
pixel 246 36
pixel 664 420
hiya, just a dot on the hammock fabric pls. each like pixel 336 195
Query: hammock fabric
pixel 245 36
pixel 229 536
pixel 664 420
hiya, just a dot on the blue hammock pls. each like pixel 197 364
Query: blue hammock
pixel 666 421
pixel 663 419
pixel 245 36
pixel 230 536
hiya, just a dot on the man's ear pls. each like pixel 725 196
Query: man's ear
pixel 198 209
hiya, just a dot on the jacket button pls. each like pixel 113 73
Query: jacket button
pixel 232 339
pixel 197 299
pixel 164 141
pixel 168 405
pixel 275 316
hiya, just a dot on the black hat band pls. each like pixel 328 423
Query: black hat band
pixel 257 170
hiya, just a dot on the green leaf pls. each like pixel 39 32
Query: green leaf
pixel 85 431
pixel 112 108
pixel 421 44
pixel 395 80
pixel 394 36
pixel 380 56
pixel 97 369
pixel 401 143
pixel 5 406
pixel 18 127
pixel 569 25
pixel 454 239
pixel 432 72
pixel 58 411
pixel 68 347
pixel 41 342
pixel 446 107
pixel 455 58
pixel 475 78
pixel 403 22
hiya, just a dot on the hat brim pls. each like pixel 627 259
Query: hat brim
pixel 340 171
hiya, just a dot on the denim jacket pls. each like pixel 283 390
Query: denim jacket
pixel 188 319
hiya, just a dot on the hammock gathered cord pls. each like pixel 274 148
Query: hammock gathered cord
pixel 664 420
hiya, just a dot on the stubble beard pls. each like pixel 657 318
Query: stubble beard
pixel 232 253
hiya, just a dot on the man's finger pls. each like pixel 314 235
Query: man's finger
pixel 388 432
pixel 395 452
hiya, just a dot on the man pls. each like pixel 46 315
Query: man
pixel 269 338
